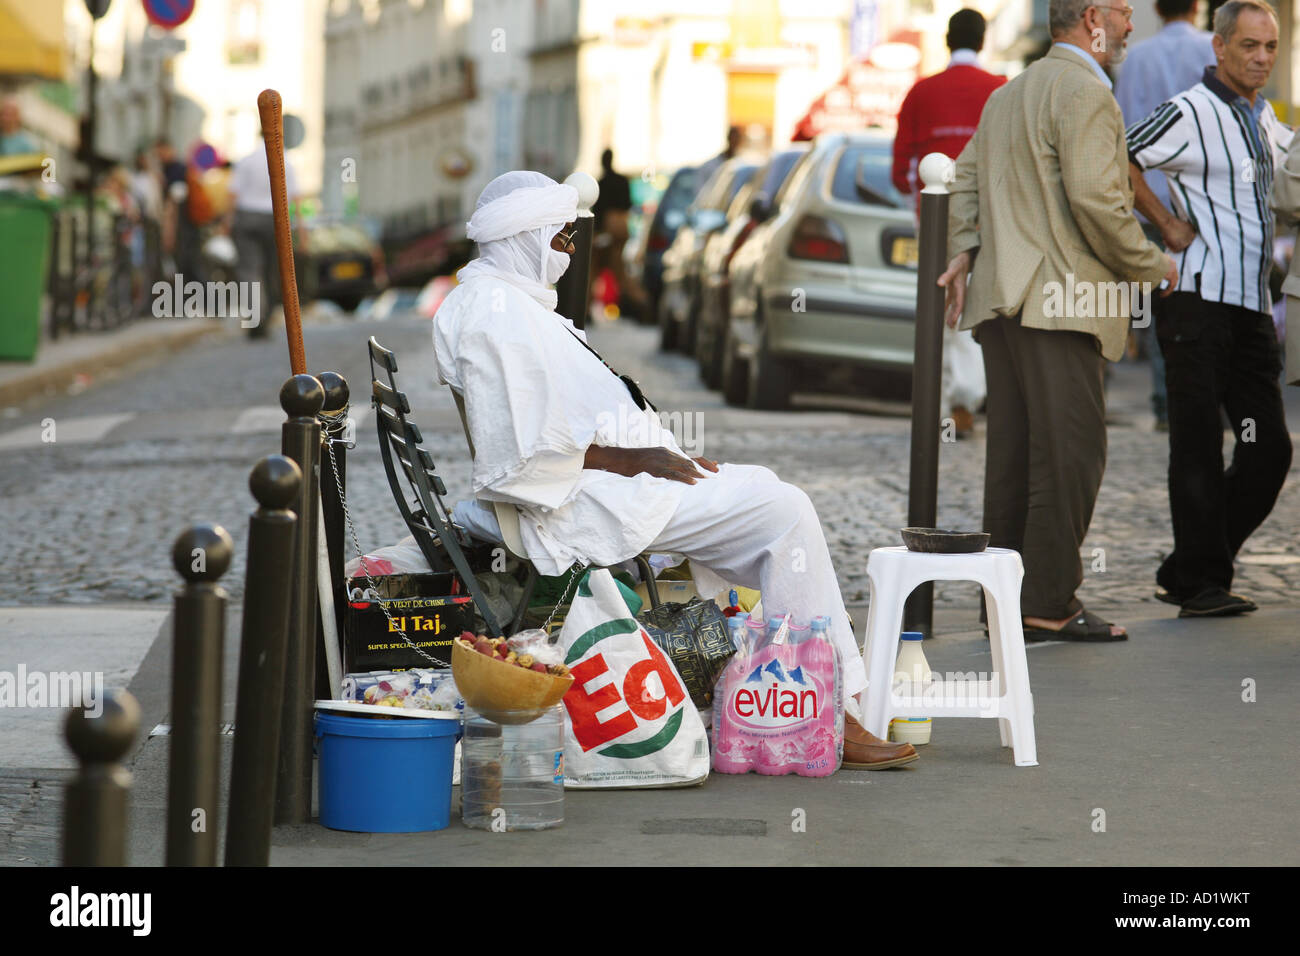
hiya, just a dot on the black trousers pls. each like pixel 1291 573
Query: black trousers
pixel 1046 454
pixel 1218 358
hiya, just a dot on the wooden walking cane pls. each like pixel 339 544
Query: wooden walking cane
pixel 270 110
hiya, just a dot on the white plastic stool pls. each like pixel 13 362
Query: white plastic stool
pixel 894 573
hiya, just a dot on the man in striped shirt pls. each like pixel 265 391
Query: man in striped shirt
pixel 1156 70
pixel 1217 144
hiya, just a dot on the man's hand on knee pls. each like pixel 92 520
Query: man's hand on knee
pixel 656 462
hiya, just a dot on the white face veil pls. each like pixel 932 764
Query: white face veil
pixel 516 217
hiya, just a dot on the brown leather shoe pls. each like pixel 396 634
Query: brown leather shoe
pixel 863 751
pixel 963 421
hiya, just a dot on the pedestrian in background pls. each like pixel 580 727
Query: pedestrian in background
pixel 253 230
pixel 181 238
pixel 146 186
pixel 1041 205
pixel 1154 71
pixel 14 140
pixel 735 137
pixel 939 115
pixel 1218 143
pixel 610 213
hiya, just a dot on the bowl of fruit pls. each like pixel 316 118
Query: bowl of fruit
pixel 502 684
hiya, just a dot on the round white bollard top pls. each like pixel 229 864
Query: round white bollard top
pixel 587 190
pixel 936 171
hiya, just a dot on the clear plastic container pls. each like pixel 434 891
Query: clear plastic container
pixel 512 775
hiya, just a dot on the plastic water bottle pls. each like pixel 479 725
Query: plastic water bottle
pixel 820 627
pixel 736 630
pixel 757 632
pixel 512 775
pixel 914 671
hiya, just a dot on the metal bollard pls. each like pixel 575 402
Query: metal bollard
pixel 336 431
pixel 927 372
pixel 95 802
pixel 275 482
pixel 574 288
pixel 201 555
pixel 301 397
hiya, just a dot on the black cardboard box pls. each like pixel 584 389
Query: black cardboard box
pixel 430 616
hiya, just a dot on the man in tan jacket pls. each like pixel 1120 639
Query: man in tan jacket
pixel 1286 203
pixel 1041 216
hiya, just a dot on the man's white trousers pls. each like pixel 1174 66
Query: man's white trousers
pixel 744 526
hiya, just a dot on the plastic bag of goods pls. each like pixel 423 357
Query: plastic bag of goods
pixel 415 689
pixel 628 719
pixel 778 707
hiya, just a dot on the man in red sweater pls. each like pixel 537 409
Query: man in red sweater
pixel 940 114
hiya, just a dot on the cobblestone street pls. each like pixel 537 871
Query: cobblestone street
pixel 91 516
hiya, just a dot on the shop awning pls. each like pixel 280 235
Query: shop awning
pixel 31 39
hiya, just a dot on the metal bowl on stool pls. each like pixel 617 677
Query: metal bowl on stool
pixel 939 541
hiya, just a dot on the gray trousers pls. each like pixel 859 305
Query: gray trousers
pixel 254 236
pixel 1046 454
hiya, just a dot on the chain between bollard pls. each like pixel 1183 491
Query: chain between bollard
pixel 356 544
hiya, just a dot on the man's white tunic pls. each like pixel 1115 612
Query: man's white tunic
pixel 535 399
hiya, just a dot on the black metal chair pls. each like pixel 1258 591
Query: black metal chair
pixel 445 545
pixel 427 515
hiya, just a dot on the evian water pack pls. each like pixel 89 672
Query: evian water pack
pixel 779 705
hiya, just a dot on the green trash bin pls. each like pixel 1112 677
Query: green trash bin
pixel 25 226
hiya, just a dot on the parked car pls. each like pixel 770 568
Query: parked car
pixel 829 281
pixel 752 206
pixel 668 218
pixel 680 298
pixel 337 261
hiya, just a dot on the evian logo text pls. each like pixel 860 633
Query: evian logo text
pixel 771 698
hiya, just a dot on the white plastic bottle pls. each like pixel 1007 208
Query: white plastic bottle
pixel 913 671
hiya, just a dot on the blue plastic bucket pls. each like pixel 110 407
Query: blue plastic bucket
pixel 385 776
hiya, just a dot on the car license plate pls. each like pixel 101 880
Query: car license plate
pixel 346 270
pixel 903 252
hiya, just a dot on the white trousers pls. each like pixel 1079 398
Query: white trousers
pixel 744 526
pixel 963 372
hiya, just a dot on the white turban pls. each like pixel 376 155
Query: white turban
pixel 516 216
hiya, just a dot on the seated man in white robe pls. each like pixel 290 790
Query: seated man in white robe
pixel 596 478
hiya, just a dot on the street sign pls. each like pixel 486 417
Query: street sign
pixel 168 13
pixel 97 8
pixel 205 156
pixel 157 43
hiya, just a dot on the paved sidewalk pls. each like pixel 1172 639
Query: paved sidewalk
pixel 77 360
pixel 1150 738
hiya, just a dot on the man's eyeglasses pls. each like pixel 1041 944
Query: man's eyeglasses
pixel 1127 11
pixel 566 236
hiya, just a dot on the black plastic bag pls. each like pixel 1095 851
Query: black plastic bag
pixel 696 639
